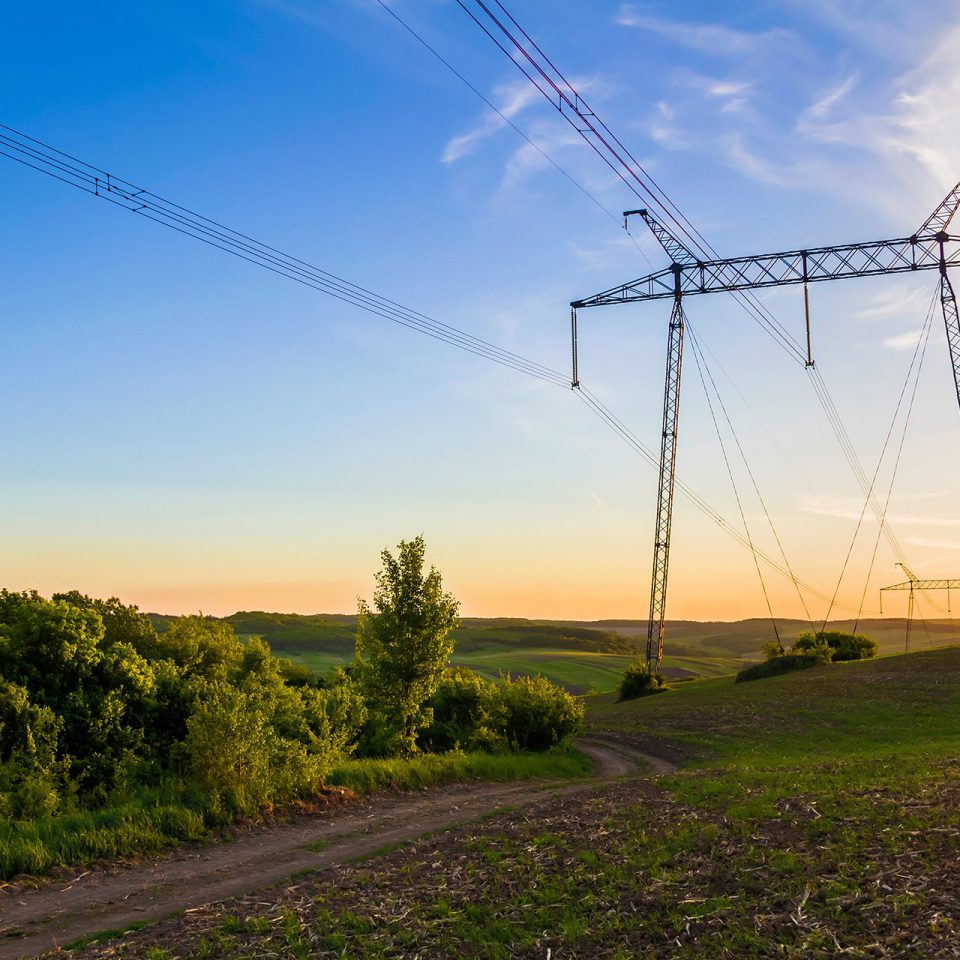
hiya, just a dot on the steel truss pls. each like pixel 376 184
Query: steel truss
pixel 915 585
pixel 904 255
pixel 930 248
pixel 668 461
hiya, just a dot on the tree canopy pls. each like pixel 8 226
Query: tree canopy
pixel 403 641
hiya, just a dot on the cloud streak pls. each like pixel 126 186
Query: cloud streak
pixel 713 38
pixel 902 341
pixel 846 511
pixel 829 100
pixel 934 544
pixel 513 99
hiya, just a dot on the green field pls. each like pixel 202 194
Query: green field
pixel 582 656
pixel 579 671
pixel 817 815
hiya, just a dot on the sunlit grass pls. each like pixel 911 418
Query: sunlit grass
pixel 428 769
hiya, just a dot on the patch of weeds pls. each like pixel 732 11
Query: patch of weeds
pixel 380 851
pixel 336 942
pixel 156 953
pixel 257 924
pixel 103 935
pixel 356 923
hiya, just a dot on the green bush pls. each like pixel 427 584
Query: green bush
pixel 638 681
pixel 532 713
pixel 783 664
pixel 835 645
pixel 461 712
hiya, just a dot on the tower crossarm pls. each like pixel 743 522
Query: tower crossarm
pixel 928 251
pixel 925 585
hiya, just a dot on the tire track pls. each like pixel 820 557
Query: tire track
pixel 115 897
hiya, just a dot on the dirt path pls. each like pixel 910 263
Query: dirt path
pixel 33 921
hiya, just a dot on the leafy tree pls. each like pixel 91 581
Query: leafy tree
pixel 95 705
pixel 403 643
pixel 253 740
pixel 121 623
pixel 56 652
pixel 30 774
pixel 199 646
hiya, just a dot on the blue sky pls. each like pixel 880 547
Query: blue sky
pixel 189 432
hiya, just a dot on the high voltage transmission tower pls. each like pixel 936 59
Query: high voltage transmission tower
pixel 696 267
pixel 914 585
pixel 689 274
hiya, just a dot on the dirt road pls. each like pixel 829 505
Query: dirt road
pixel 33 921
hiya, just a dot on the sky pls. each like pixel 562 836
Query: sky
pixel 188 432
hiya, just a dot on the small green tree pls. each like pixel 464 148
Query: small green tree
pixel 403 643
pixel 638 681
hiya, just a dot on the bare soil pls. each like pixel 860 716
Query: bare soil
pixel 53 914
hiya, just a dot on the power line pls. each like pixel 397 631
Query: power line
pixel 701 359
pixel 540 70
pixel 97 182
pixel 736 493
pixel 93 180
pixel 870 495
pixel 924 339
pixel 573 107
pixel 515 127
pixel 103 185
pixel 624 432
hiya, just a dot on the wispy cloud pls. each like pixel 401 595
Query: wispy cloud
pixel 831 98
pixel 619 253
pixel 665 131
pixel 754 165
pixel 713 38
pixel 934 544
pixel 731 95
pixel 896 300
pixel 902 341
pixel 512 99
pixel 919 127
pixel 527 159
pixel 849 510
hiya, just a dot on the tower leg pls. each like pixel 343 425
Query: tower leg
pixel 951 318
pixel 668 459
pixel 906 643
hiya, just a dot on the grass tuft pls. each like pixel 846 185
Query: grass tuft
pixel 429 769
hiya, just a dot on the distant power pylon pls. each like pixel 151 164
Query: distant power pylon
pixel 914 585
pixel 688 275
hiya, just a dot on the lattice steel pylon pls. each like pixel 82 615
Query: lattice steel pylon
pixel 930 248
pixel 914 585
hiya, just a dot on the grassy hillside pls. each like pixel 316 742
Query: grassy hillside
pixel 818 816
pixel 745 638
pixel 582 655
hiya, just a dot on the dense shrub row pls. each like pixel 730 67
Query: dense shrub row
pixel 95 704
pixel 97 707
pixel 810 649
pixel 525 713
